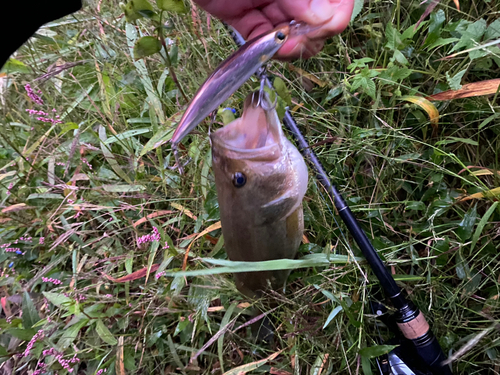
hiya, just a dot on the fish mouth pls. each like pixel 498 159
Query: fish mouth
pixel 257 130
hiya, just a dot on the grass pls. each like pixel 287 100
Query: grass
pixel 89 189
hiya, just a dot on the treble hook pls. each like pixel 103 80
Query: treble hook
pixel 178 165
pixel 263 101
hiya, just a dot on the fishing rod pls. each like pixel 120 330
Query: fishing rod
pixel 409 319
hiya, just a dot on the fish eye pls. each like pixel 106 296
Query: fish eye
pixel 280 36
pixel 239 179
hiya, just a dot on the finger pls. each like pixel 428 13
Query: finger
pixel 299 47
pixel 251 24
pixel 337 23
pixel 313 12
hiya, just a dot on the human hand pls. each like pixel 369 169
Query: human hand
pixel 254 17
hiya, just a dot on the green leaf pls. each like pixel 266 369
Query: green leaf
pixel 22 334
pixel 110 157
pixel 464 230
pixel 136 9
pixel 57 299
pixel 312 260
pixel 358 6
pixel 450 140
pixel 415 205
pixel 220 341
pixel 493 31
pixel 127 134
pixel 159 138
pixel 282 90
pixel 146 46
pixel 3 351
pixel 227 116
pixel 140 65
pixel 400 58
pixel 395 73
pixel 70 334
pixel 171 5
pixel 393 37
pixel 455 81
pixel 15 66
pixel 376 351
pixel 472 37
pixel 104 333
pixel 30 314
pixel 332 315
pixel 481 225
pixel 45 196
pixel 122 188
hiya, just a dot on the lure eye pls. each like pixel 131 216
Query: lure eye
pixel 239 179
pixel 280 36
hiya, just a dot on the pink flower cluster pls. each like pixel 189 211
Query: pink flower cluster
pixel 44 116
pixel 12 249
pixel 90 147
pixel 11 185
pixel 38 336
pixel 101 371
pixel 32 95
pixel 154 236
pixel 65 363
pixel 160 274
pixel 86 162
pixel 41 240
pixel 26 239
pixel 51 280
pixel 42 368
pixel 80 298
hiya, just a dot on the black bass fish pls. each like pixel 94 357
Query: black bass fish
pixel 261 179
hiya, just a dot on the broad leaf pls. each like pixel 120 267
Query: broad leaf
pixel 105 334
pixel 171 5
pixel 30 314
pixel 376 351
pixel 70 334
pixel 146 46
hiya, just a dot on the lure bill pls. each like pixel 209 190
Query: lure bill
pixel 261 179
pixel 233 73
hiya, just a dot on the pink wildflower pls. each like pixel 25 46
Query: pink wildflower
pixel 11 185
pixel 38 336
pixel 155 236
pixel 51 280
pixel 160 274
pixel 32 95
pixel 86 162
pixel 12 249
pixel 65 363
pixel 101 371
pixel 90 147
pixel 41 240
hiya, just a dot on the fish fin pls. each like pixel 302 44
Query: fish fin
pixel 279 208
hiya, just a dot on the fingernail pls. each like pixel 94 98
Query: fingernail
pixel 322 10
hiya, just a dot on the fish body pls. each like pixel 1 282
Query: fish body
pixel 261 179
pixel 233 73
